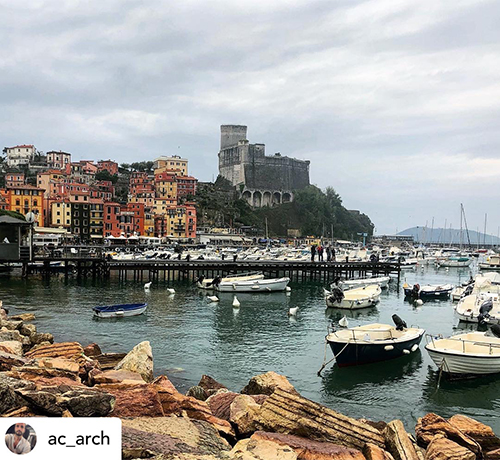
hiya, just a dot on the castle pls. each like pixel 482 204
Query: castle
pixel 262 180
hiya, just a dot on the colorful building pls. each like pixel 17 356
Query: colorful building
pixel 26 198
pixel 186 186
pixel 108 165
pixel 174 165
pixel 13 179
pixel 58 160
pixel 111 221
pixel 60 214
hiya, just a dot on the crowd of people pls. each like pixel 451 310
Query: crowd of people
pixel 320 251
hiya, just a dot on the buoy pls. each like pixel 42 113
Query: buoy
pixel 389 348
pixel 236 302
pixel 414 348
pixel 406 352
pixel 147 285
pixel 171 291
pixel 293 311
pixel 288 289
pixel 343 322
pixel 213 298
pixel 419 302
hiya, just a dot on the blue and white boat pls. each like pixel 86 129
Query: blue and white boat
pixel 120 311
pixel 429 291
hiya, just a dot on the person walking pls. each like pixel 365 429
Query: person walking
pixel 320 253
pixel 328 254
pixel 313 252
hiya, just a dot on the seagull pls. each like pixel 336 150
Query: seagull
pixel 343 322
pixel 171 291
pixel 147 286
pixel 213 298
pixel 236 302
pixel 293 311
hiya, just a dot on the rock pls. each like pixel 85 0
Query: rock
pixel 492 455
pixel 24 411
pixel 220 404
pixel 398 442
pixel 372 452
pixel 9 361
pixel 198 393
pixel 432 425
pixel 38 338
pixel 112 376
pixel 3 314
pixel 87 402
pixel 92 350
pixel 243 414
pixel 12 346
pixel 441 448
pixel 478 431
pixel 27 330
pixel 173 436
pixel 10 400
pixel 43 401
pixel 210 385
pixel 66 414
pixel 310 450
pixel 265 384
pixel 10 324
pixel 23 317
pixel 163 382
pixel 285 412
pixel 140 360
pixel 7 335
pixel 253 449
pixel 134 400
pixel 68 350
pixel 109 360
pixel 44 375
pixel 62 364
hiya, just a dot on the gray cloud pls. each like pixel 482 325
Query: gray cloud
pixel 396 103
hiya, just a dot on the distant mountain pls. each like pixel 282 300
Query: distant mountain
pixel 447 236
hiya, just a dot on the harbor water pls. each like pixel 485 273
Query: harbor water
pixel 191 336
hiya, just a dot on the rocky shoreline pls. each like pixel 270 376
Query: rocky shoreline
pixel 267 419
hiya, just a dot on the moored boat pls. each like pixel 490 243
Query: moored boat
pixel 472 353
pixel 258 285
pixel 382 281
pixel 491 263
pixel 428 291
pixel 209 283
pixel 353 298
pixel 120 311
pixel 483 307
pixel 373 343
pixel 454 262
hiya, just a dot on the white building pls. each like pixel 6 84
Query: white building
pixel 58 160
pixel 19 155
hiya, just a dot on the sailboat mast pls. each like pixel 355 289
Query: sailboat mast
pixel 484 236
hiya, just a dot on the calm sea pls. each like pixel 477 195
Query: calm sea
pixel 191 337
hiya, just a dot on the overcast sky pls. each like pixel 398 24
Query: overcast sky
pixel 395 102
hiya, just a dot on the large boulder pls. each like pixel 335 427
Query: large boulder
pixel 210 385
pixel 10 400
pixel 243 414
pixel 441 448
pixel 198 393
pixel 307 449
pixel 92 350
pixel 68 350
pixel 398 442
pixel 112 376
pixel 139 360
pixel 285 412
pixel 262 449
pixel 372 452
pixel 173 437
pixel 6 335
pixel 481 433
pixel 266 384
pixel 220 404
pixel 13 347
pixel 44 375
pixel 9 361
pixel 27 330
pixel 38 338
pixel 109 360
pixel 10 324
pixel 23 317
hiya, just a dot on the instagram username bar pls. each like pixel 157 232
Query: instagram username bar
pixel 60 438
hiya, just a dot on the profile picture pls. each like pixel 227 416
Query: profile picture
pixel 20 438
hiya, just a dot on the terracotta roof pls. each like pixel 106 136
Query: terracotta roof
pixel 21 146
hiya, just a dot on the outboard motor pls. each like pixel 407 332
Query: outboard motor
pixel 215 282
pixel 400 324
pixel 468 290
pixel 200 279
pixel 495 328
pixel 484 312
pixel 415 291
pixel 337 295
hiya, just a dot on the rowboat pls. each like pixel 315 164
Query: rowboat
pixel 354 298
pixel 373 343
pixel 483 307
pixel 428 291
pixel 120 311
pixel 208 283
pixel 256 285
pixel 382 281
pixel 472 353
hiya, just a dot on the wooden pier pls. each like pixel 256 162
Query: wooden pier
pixel 175 270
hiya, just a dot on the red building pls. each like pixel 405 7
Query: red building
pixel 14 179
pixel 108 165
pixel 186 185
pixel 132 219
pixel 111 219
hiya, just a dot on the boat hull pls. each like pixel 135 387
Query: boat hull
pixel 460 364
pixel 254 286
pixel 120 312
pixel 383 282
pixel 358 353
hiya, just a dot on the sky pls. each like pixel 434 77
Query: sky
pixel 395 102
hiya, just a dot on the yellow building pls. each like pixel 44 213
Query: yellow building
pixel 60 214
pixel 174 165
pixel 166 187
pixel 96 218
pixel 26 198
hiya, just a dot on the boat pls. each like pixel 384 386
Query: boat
pixel 472 353
pixel 491 263
pixel 482 308
pixel 120 311
pixel 428 291
pixel 256 285
pixel 374 342
pixel 208 283
pixel 454 262
pixel 353 298
pixel 382 281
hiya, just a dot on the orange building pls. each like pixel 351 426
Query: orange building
pixel 26 198
pixel 14 179
pixel 108 165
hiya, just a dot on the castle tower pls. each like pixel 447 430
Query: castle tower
pixel 230 135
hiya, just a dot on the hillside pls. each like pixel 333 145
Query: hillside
pixel 448 236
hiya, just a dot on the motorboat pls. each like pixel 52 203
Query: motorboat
pixel 374 342
pixel 472 353
pixel 209 283
pixel 120 311
pixel 482 308
pixel 382 281
pixel 428 291
pixel 353 298
pixel 491 263
pixel 454 262
pixel 256 285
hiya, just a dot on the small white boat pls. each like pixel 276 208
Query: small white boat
pixel 258 285
pixel 481 308
pixel 354 298
pixel 454 262
pixel 382 281
pixel 491 263
pixel 472 353
pixel 120 311
pixel 208 283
